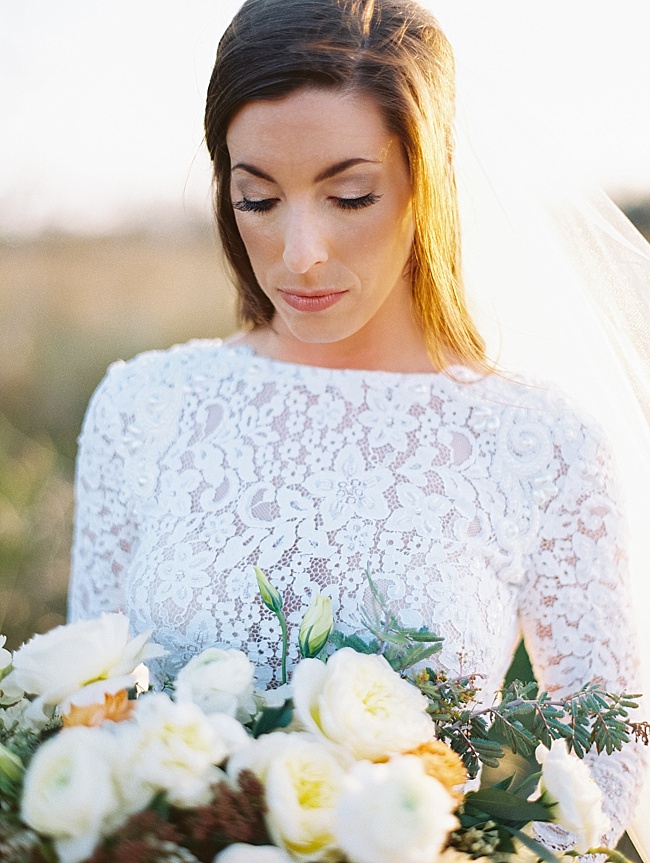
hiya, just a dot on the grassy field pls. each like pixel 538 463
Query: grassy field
pixel 69 306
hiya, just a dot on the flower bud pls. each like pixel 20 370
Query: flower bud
pixel 270 596
pixel 316 626
pixel 6 658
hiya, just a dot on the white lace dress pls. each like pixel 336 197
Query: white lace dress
pixel 483 508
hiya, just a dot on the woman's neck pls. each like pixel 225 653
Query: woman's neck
pixel 393 340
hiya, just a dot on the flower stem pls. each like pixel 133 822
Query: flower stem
pixel 285 644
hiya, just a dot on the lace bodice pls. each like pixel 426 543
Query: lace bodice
pixel 483 507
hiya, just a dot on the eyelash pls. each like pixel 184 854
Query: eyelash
pixel 357 203
pixel 245 205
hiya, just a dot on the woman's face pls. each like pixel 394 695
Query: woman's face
pixel 322 199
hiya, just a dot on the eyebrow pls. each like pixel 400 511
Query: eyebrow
pixel 327 174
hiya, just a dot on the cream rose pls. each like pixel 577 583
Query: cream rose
pixel 100 652
pixel 71 791
pixel 218 681
pixel 241 853
pixel 393 813
pixel 566 780
pixel 303 778
pixel 358 702
pixel 173 748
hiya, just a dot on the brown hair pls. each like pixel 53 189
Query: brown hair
pixel 394 51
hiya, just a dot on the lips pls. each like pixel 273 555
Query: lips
pixel 311 302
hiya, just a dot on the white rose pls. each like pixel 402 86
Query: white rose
pixel 71 791
pixel 173 748
pixel 218 681
pixel 302 778
pixel 393 813
pixel 55 666
pixel 240 853
pixel 360 703
pixel 567 780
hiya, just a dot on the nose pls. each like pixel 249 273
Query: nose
pixel 304 242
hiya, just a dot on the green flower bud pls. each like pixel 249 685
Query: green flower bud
pixel 270 596
pixel 10 764
pixel 316 626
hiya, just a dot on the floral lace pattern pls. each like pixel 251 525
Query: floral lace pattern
pixel 482 507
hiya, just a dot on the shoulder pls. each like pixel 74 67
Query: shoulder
pixel 536 424
pixel 166 366
pixel 528 398
pixel 152 386
pixel 170 371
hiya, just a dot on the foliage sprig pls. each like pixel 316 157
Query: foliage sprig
pixel 402 646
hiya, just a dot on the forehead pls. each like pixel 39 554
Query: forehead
pixel 313 123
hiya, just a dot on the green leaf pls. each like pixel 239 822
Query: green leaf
pixel 423 635
pixel 504 785
pixel 528 785
pixel 402 660
pixel 506 807
pixel 339 640
pixel 11 765
pixel 160 805
pixel 517 737
pixel 271 718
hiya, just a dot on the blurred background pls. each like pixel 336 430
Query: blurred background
pixel 106 242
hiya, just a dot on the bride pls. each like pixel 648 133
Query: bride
pixel 356 421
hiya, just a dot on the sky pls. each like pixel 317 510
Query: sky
pixel 101 102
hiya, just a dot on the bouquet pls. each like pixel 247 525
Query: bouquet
pixel 368 755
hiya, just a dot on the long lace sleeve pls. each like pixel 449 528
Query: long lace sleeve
pixel 575 607
pixel 104 532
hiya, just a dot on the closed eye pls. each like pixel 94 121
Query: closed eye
pixel 357 203
pixel 246 205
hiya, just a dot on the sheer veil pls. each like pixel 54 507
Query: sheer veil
pixel 558 281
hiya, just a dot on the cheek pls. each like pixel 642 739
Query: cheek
pixel 387 241
pixel 258 239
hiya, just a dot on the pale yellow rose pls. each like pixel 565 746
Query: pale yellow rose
pixel 303 778
pixel 358 702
